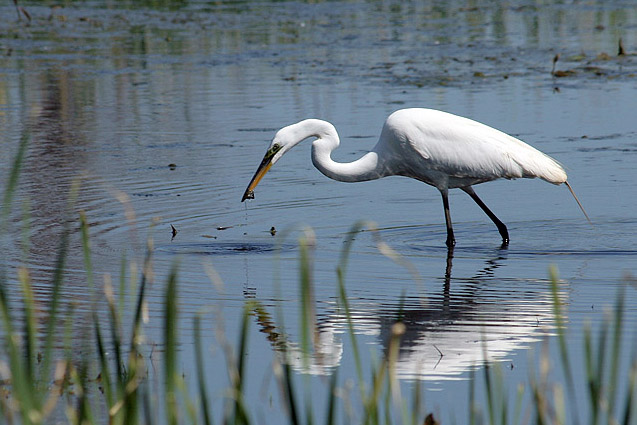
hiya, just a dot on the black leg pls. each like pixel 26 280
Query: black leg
pixel 500 225
pixel 451 241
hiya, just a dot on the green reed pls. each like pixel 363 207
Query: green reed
pixel 38 381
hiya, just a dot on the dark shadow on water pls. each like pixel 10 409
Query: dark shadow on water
pixel 525 249
pixel 223 248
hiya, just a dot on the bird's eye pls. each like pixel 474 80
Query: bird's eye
pixel 273 150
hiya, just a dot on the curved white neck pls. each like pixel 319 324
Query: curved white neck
pixel 368 167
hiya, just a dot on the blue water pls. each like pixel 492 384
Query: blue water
pixel 162 116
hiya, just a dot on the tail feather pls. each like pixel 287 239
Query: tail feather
pixel 578 202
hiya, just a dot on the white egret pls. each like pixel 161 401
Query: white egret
pixel 438 148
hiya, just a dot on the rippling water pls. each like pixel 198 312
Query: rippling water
pixel 161 115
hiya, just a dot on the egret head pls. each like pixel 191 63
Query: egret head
pixel 282 142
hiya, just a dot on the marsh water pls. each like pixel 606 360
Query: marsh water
pixel 161 112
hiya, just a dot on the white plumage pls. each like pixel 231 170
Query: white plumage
pixel 441 149
pixel 463 150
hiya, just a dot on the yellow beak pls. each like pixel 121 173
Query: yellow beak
pixel 266 164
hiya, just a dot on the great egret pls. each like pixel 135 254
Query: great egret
pixel 438 148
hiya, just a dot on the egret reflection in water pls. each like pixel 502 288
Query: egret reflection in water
pixel 447 332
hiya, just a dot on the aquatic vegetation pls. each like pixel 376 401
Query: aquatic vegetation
pixel 39 380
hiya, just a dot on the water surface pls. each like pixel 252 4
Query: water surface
pixel 162 114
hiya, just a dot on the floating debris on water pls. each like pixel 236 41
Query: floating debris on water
pixel 561 74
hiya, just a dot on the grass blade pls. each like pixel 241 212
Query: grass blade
pixel 630 395
pixel 105 375
pixel 58 275
pixel 12 182
pixel 288 388
pixel 86 250
pixel 30 333
pixel 203 393
pixel 615 355
pixel 170 346
pixel 561 337
pixel 330 418
pixel 22 386
pixel 308 316
pixel 240 413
